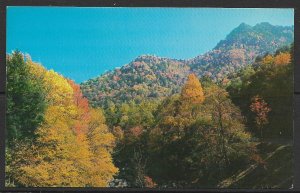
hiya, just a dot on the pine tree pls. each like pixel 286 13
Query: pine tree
pixel 25 99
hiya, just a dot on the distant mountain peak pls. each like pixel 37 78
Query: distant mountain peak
pixel 243 28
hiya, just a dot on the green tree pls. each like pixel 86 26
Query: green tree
pixel 271 79
pixel 135 120
pixel 25 99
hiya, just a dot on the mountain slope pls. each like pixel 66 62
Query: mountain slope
pixel 153 77
pixel 145 77
pixel 241 47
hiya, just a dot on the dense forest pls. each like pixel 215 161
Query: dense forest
pixel 54 137
pixel 170 126
pixel 152 77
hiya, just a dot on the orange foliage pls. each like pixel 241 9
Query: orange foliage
pixel 257 159
pixel 192 90
pixel 282 59
pixel 260 107
pixel 82 107
pixel 80 101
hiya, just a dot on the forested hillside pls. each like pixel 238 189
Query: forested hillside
pixel 211 132
pixel 151 76
pixel 147 76
pixel 240 48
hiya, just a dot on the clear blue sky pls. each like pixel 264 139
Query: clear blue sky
pixel 82 43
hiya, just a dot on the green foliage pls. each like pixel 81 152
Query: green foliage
pixel 147 77
pixel 240 48
pixel 198 145
pixel 25 99
pixel 152 77
pixel 71 146
pixel 156 135
pixel 275 172
pixel 272 79
pixel 132 121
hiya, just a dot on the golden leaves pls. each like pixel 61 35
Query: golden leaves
pixel 73 147
pixel 192 90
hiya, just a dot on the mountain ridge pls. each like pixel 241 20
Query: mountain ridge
pixel 150 76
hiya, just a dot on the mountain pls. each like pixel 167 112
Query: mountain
pixel 145 77
pixel 153 77
pixel 241 47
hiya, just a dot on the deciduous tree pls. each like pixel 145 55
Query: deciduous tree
pixel 261 109
pixel 192 90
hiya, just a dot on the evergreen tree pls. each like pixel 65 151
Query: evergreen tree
pixel 25 99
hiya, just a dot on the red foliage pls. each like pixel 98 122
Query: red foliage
pixel 136 131
pixel 149 183
pixel 82 107
pixel 260 107
pixel 80 101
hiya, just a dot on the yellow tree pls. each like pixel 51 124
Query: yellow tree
pixel 267 60
pixel 101 143
pixel 93 134
pixel 192 91
pixel 56 158
pixel 73 147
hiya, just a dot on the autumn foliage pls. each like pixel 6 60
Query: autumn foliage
pixel 282 59
pixel 261 109
pixel 192 90
pixel 194 134
pixel 73 145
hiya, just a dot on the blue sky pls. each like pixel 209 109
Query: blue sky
pixel 82 43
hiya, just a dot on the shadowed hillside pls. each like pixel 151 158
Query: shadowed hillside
pixel 276 171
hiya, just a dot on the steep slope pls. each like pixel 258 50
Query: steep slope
pixel 153 77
